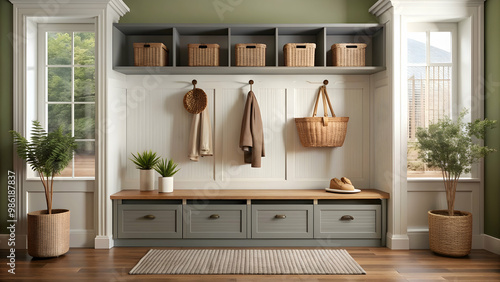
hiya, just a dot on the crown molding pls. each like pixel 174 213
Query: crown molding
pixel 117 5
pixel 381 6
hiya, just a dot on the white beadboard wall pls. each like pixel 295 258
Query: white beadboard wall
pixel 156 120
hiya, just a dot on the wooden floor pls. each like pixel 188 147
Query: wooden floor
pixel 381 264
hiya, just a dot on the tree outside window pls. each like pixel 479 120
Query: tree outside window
pixel 70 94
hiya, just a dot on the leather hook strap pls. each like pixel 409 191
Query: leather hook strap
pixel 324 95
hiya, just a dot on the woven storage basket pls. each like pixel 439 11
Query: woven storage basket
pixel 299 54
pixel 322 131
pixel 250 55
pixel 48 234
pixel 349 54
pixel 203 54
pixel 150 54
pixel 450 235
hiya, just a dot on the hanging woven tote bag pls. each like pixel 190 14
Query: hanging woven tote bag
pixel 322 131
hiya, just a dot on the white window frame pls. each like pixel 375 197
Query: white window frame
pixel 42 97
pixel 455 99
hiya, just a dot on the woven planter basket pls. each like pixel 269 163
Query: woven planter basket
pixel 450 235
pixel 322 131
pixel 48 234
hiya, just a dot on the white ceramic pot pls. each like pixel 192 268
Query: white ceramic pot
pixel 147 180
pixel 165 184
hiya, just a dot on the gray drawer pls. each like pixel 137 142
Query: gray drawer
pixel 215 221
pixel 149 221
pixel 282 221
pixel 347 221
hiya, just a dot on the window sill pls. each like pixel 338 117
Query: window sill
pixel 63 179
pixel 435 179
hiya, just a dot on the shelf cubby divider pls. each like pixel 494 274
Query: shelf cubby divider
pixel 176 38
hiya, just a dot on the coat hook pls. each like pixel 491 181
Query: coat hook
pixel 194 83
pixel 325 82
pixel 251 83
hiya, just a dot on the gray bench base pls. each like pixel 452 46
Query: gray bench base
pixel 247 243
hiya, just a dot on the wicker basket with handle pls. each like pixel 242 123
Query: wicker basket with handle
pixel 349 54
pixel 250 55
pixel 203 55
pixel 150 54
pixel 322 131
pixel 299 54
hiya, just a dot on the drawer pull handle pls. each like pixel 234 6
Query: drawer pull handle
pixel 280 216
pixel 149 216
pixel 215 216
pixel 347 217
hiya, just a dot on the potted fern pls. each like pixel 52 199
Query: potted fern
pixel 47 154
pixel 167 171
pixel 146 161
pixel 450 146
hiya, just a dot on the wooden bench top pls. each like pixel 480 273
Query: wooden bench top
pixel 248 194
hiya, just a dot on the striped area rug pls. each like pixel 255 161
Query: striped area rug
pixel 247 261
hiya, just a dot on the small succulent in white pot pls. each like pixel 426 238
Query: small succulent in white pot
pixel 146 162
pixel 166 169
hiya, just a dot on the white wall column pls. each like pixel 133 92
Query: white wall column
pixel 407 226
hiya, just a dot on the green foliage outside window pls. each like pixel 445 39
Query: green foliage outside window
pixel 67 75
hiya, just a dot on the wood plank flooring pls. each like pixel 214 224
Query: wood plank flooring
pixel 381 264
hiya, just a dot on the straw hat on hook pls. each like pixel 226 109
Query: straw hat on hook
pixel 195 101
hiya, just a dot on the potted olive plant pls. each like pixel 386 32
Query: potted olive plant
pixel 167 171
pixel 450 146
pixel 146 161
pixel 47 154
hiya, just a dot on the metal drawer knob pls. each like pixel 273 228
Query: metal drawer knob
pixel 215 216
pixel 347 217
pixel 149 216
pixel 280 216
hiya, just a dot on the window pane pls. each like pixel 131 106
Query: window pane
pixel 85 84
pixel 429 99
pixel 440 47
pixel 417 87
pixel 59 84
pixel 85 121
pixel 417 47
pixel 59 48
pixel 85 159
pixel 84 48
pixel 59 115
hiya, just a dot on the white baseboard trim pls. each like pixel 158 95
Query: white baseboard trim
pixel 103 242
pixel 398 242
pixel 419 240
pixel 21 242
pixel 77 239
pixel 491 244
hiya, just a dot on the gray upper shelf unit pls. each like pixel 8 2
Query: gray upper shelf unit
pixel 177 36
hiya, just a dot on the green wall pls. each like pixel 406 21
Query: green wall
pixel 5 105
pixel 492 111
pixel 249 11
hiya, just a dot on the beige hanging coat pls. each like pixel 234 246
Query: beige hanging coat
pixel 252 132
